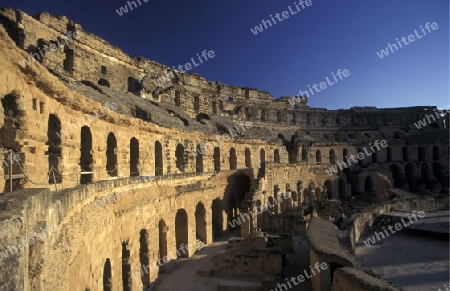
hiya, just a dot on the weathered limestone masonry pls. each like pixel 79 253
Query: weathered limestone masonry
pixel 190 154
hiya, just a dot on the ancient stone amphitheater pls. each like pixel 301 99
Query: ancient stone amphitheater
pixel 127 160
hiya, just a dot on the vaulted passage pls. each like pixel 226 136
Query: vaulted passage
pixel 425 175
pixel 86 157
pixel 126 267
pixel 162 228
pixel 217 218
pixel 396 176
pixel 232 208
pixel 159 166
pixel 107 276
pixel 8 135
pixel 181 233
pixel 342 189
pixel 134 157
pixel 200 222
pixel 111 155
pixel 368 185
pixel 54 150
pixel 238 186
pixel 144 257
pixel 410 177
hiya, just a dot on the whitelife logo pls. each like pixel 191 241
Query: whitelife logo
pixel 284 15
pixel 411 38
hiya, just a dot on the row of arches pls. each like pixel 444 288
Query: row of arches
pixel 182 248
pixel 422 155
pixel 87 158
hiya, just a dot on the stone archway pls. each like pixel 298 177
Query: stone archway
pixel 181 233
pixel 200 223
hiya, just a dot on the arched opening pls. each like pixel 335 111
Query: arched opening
pixel 86 157
pixel 126 267
pixel 271 204
pixel 214 107
pixel 332 157
pixel 374 157
pixel 342 185
pixel 196 104
pixel 360 162
pixel 389 154
pixel 232 210
pixel 435 153
pixel 54 150
pixel 437 172
pixel 200 223
pixel 425 174
pixel 248 158
pixel 276 156
pixel 262 157
pixel 181 233
pixel 179 156
pixel 304 154
pixel 199 160
pixel 306 196
pixel 318 194
pixel 8 136
pixel 329 188
pixel 69 60
pixel 104 83
pixel 134 86
pixel 421 154
pixel 368 185
pixel 405 154
pixel 162 228
pixel 295 201
pixel 159 167
pixel 220 105
pixel 107 276
pixel 263 115
pixel 318 156
pixel 238 186
pixel 396 176
pixel 279 116
pixel 233 159
pixel 216 159
pixel 344 155
pixel 217 218
pixel 144 257
pixel 134 157
pixel 352 181
pixel 111 155
pixel 410 177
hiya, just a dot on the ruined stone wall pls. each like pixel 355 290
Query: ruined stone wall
pixel 362 221
pixel 358 280
pixel 37 105
pixel 96 61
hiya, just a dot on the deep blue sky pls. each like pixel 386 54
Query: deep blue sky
pixel 297 52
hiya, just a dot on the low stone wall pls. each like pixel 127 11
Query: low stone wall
pixel 362 221
pixel 357 280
